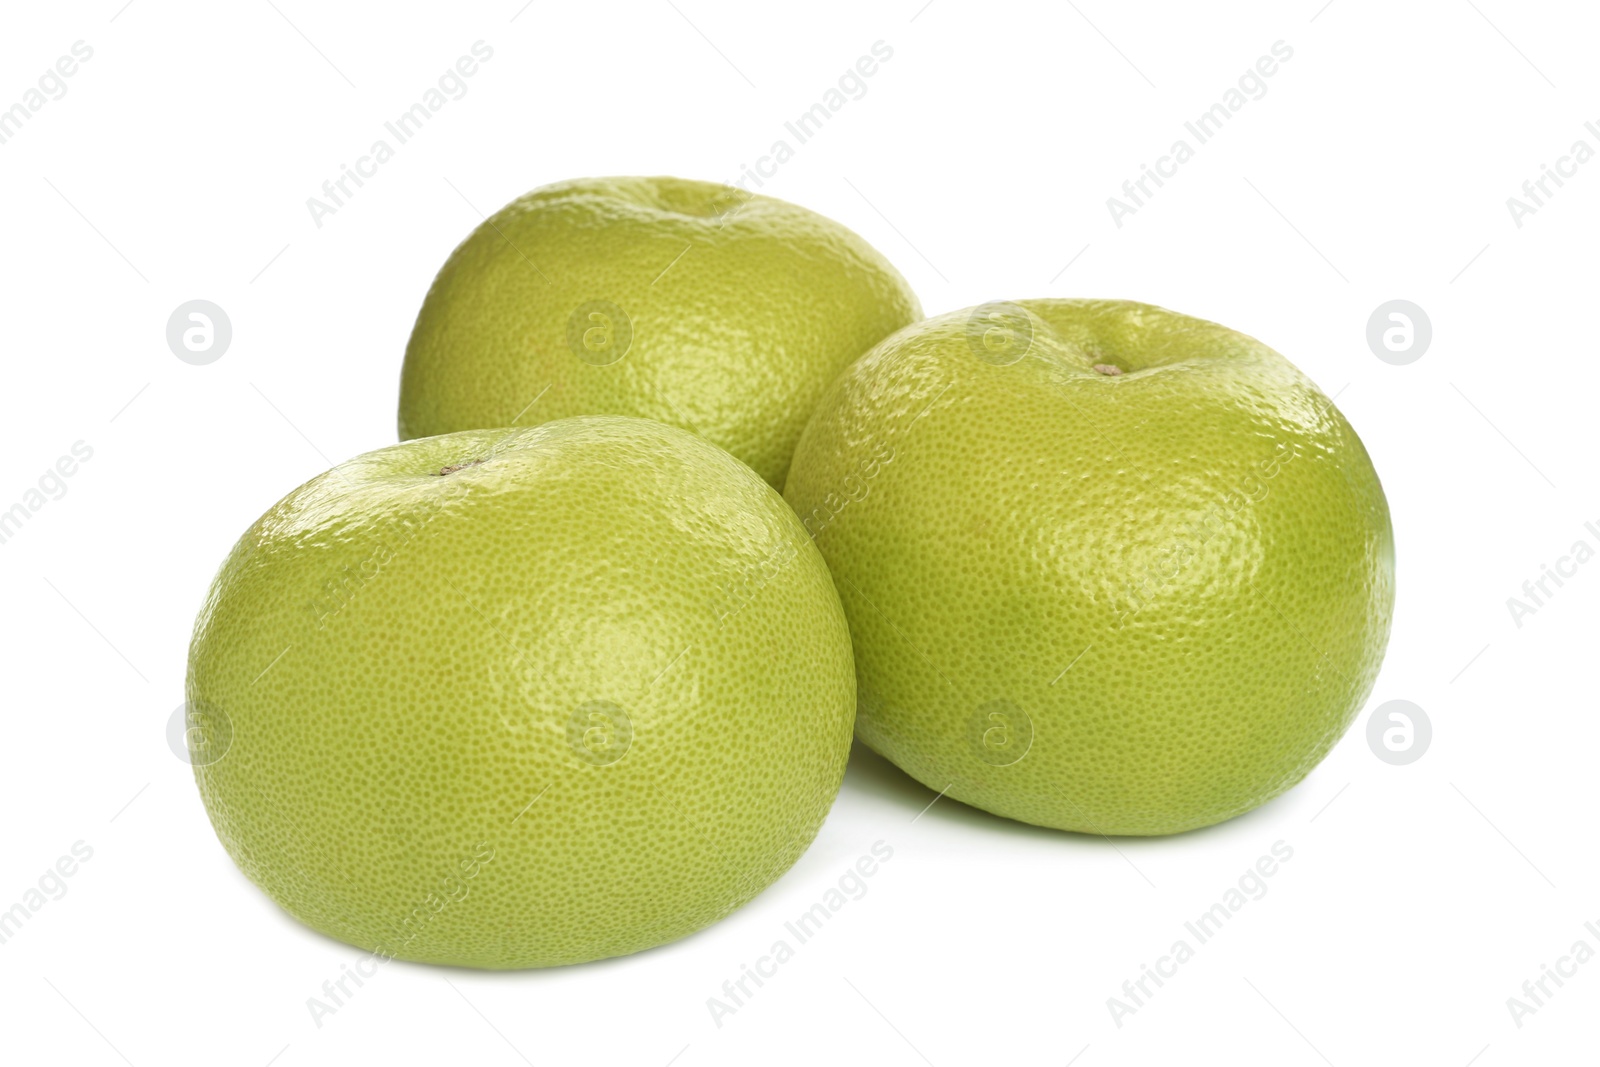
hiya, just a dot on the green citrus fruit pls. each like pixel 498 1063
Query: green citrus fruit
pixel 523 697
pixel 692 303
pixel 1107 568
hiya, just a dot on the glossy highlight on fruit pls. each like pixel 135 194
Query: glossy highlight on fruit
pixel 517 698
pixel 1108 568
pixel 696 304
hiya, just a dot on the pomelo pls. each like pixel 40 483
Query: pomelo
pixel 1108 568
pixel 693 303
pixel 521 698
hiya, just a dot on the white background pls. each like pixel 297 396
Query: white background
pixel 1377 166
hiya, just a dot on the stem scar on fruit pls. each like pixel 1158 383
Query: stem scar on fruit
pixel 1108 369
pixel 458 467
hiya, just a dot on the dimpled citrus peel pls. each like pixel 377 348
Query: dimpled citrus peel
pixel 1108 568
pixel 696 304
pixel 521 698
